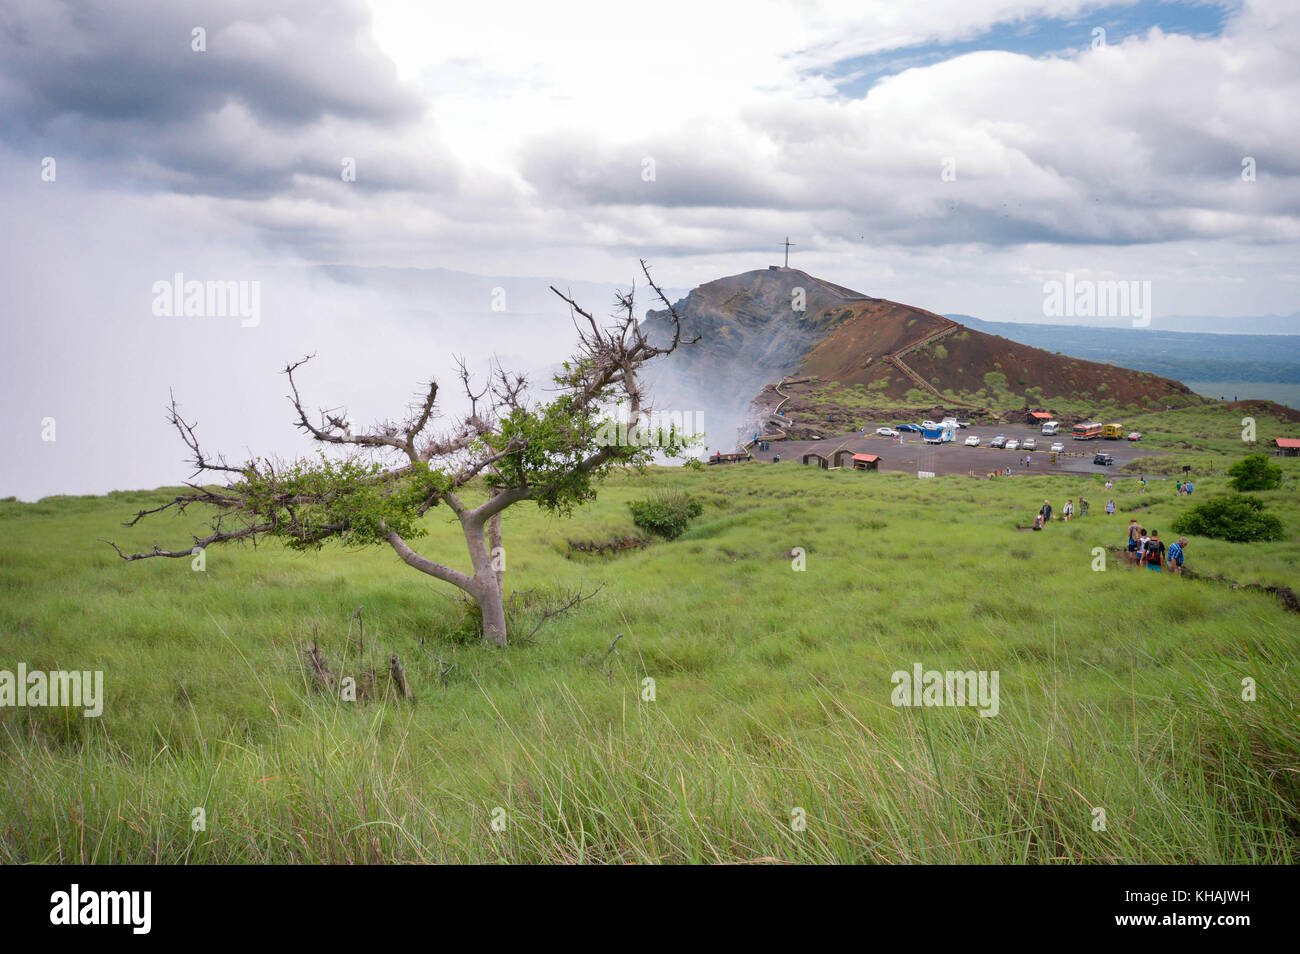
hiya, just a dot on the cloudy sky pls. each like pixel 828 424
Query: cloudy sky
pixel 219 140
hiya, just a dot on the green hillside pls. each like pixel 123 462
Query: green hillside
pixel 1119 689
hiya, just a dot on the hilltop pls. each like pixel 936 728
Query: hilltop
pixel 875 352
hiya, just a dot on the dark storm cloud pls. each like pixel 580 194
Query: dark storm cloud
pixel 289 61
pixel 284 89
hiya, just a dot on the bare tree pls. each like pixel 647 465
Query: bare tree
pixel 504 448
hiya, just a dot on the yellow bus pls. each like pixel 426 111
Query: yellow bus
pixel 1113 432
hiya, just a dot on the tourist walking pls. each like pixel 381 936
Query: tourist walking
pixel 1155 552
pixel 1176 555
pixel 1110 507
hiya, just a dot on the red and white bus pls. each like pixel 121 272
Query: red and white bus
pixel 1086 432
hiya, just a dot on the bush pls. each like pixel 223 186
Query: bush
pixel 665 514
pixel 1236 518
pixel 1254 473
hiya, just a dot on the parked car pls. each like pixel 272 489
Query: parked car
pixel 929 425
pixel 1029 444
pixel 909 427
pixel 1103 460
pixel 963 424
pixel 886 432
pixel 1058 447
pixel 1135 436
pixel 972 441
pixel 1013 444
pixel 999 441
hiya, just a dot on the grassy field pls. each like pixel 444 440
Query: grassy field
pixel 771 734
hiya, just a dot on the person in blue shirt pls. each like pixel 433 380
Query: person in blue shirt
pixel 1175 555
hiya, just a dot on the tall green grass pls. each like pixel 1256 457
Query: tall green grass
pixel 1120 690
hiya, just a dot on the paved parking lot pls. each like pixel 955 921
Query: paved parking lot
pixel 956 458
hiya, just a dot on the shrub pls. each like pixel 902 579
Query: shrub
pixel 1236 518
pixel 665 514
pixel 1254 473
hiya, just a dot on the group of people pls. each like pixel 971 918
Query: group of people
pixel 1144 548
pixel 1067 512
pixel 1147 549
pixel 1044 514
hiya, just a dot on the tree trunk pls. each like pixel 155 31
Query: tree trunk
pixel 487 589
pixel 485 585
pixel 494 611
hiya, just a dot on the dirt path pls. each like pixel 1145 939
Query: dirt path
pixel 1284 594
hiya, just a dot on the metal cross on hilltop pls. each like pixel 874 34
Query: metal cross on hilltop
pixel 787 243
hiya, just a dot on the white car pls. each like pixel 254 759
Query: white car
pixel 886 432
pixel 972 441
pixel 1013 444
pixel 929 425
pixel 1058 447
pixel 1029 444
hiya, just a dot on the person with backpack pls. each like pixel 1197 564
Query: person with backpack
pixel 1176 555
pixel 1068 510
pixel 1140 555
pixel 1155 552
pixel 1133 532
pixel 1083 507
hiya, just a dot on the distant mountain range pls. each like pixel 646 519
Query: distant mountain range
pixel 1218 325
pixel 1186 356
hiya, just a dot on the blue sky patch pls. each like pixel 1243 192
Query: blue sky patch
pixel 1042 36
